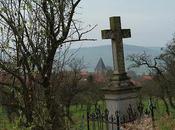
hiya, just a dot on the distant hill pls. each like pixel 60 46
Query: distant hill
pixel 91 55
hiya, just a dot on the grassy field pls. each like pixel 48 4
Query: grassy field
pixel 4 122
pixel 164 122
pixel 78 114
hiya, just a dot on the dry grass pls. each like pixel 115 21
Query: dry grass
pixel 164 123
pixel 143 124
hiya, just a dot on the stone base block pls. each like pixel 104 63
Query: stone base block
pixel 124 100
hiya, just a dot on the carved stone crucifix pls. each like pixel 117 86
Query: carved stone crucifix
pixel 116 34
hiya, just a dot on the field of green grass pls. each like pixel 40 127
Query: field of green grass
pixel 79 118
pixel 164 122
pixel 4 122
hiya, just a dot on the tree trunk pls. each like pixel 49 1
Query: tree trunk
pixel 166 105
pixel 56 112
pixel 170 98
pixel 28 110
pixel 58 120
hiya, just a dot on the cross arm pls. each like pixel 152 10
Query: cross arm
pixel 106 34
pixel 126 33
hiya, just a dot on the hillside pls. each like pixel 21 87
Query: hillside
pixel 91 55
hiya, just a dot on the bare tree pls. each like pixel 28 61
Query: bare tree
pixel 156 70
pixel 162 69
pixel 31 34
pixel 168 58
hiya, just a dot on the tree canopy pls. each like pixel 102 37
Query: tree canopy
pixel 32 33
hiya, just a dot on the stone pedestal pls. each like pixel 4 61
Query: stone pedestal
pixel 122 96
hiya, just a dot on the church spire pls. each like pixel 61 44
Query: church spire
pixel 100 66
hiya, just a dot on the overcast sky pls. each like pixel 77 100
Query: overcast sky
pixel 152 22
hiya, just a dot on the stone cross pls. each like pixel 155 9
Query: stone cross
pixel 116 34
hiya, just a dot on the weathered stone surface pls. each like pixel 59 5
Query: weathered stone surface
pixel 116 34
pixel 121 92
